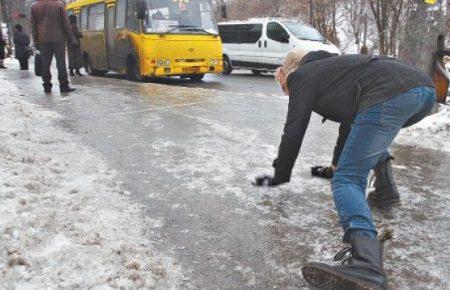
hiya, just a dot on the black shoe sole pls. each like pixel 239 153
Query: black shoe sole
pixel 383 204
pixel 324 277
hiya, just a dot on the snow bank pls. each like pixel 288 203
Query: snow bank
pixel 433 132
pixel 65 221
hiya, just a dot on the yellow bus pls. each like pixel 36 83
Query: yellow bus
pixel 149 38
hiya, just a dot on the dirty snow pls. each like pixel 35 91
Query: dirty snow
pixel 65 221
pixel 433 132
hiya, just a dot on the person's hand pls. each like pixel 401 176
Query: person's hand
pixel 265 181
pixel 322 172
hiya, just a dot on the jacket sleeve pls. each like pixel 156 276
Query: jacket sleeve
pixel 66 25
pixel 301 101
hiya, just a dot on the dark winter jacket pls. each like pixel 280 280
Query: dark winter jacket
pixel 2 47
pixel 50 23
pixel 337 88
pixel 21 42
pixel 75 54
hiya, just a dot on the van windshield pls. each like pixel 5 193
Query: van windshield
pixel 303 31
pixel 180 16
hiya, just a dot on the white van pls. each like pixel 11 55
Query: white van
pixel 261 45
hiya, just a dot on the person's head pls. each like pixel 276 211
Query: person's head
pixel 291 63
pixel 73 19
pixel 18 28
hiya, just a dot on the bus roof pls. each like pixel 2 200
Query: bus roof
pixel 79 3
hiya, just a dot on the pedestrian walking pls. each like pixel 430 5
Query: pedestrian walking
pixel 379 96
pixel 51 30
pixel 75 55
pixel 2 50
pixel 22 44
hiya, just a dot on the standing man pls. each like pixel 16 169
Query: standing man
pixel 51 30
pixel 23 50
pixel 379 95
pixel 2 49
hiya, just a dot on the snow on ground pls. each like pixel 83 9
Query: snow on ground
pixel 433 132
pixel 65 221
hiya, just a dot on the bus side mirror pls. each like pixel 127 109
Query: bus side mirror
pixel 141 9
pixel 224 11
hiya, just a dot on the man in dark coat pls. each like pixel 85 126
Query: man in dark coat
pixel 51 30
pixel 75 55
pixel 2 50
pixel 379 96
pixel 22 44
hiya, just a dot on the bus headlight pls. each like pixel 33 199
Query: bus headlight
pixel 214 61
pixel 159 63
pixel 167 62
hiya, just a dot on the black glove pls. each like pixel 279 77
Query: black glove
pixel 322 172
pixel 265 180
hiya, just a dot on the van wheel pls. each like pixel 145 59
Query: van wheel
pixel 197 78
pixel 227 68
pixel 133 71
pixel 89 68
pixel 256 72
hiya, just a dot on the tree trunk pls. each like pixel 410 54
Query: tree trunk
pixel 423 25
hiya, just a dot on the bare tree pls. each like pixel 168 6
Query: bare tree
pixel 355 15
pixel 386 14
pixel 323 16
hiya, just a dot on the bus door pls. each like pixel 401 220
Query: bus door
pixel 111 36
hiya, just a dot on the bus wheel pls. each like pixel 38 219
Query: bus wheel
pixel 133 72
pixel 256 72
pixel 197 78
pixel 227 68
pixel 90 70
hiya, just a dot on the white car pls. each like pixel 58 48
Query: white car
pixel 261 45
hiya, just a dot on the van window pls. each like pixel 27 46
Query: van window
pixel 250 33
pixel 133 23
pixel 121 13
pixel 84 18
pixel 97 17
pixel 229 33
pixel 276 32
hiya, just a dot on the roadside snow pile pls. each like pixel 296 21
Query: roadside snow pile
pixel 433 132
pixel 65 222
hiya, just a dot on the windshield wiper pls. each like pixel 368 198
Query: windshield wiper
pixel 302 38
pixel 186 27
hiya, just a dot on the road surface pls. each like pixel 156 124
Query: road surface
pixel 188 153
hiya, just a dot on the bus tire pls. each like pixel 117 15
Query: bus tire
pixel 227 67
pixel 133 71
pixel 89 68
pixel 256 72
pixel 197 78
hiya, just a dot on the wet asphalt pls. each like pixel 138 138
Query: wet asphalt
pixel 188 153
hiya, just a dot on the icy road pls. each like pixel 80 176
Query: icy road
pixel 188 153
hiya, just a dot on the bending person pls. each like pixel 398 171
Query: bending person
pixel 379 95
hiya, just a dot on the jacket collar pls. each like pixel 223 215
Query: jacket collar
pixel 316 55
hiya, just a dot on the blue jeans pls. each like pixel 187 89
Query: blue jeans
pixel 372 133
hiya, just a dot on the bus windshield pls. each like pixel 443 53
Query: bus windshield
pixel 302 31
pixel 180 16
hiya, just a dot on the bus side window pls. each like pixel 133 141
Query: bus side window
pixel 121 10
pixel 133 23
pixel 97 17
pixel 69 12
pixel 84 18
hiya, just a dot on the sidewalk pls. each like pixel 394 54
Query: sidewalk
pixel 65 222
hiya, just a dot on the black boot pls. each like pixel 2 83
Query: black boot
pixel 363 271
pixel 71 73
pixel 66 89
pixel 47 87
pixel 385 193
